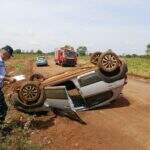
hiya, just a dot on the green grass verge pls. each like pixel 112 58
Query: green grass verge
pixel 17 139
pixel 139 66
pixel 24 56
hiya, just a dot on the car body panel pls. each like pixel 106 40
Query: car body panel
pixel 90 90
pixel 100 87
pixel 58 98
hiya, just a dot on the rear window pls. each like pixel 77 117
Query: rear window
pixel 89 79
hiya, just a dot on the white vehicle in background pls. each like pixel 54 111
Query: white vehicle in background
pixel 41 61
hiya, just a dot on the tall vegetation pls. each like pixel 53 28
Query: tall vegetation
pixel 82 50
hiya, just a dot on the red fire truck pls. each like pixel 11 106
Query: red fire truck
pixel 65 56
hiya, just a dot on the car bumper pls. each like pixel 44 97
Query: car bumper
pixel 70 62
pixel 41 64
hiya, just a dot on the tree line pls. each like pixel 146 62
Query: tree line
pixel 81 50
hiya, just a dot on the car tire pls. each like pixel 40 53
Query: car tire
pixel 94 58
pixel 118 74
pixel 108 61
pixel 19 104
pixel 62 64
pixel 31 111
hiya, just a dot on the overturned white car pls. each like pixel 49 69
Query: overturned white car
pixel 81 89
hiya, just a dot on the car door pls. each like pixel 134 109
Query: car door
pixel 91 84
pixel 58 99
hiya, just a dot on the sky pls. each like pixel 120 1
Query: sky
pixel 120 25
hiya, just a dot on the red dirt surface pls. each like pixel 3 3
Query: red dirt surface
pixel 124 124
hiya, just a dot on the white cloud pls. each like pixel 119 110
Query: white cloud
pixel 99 24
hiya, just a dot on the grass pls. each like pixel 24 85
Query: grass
pixel 84 59
pixel 24 56
pixel 16 137
pixel 17 63
pixel 139 66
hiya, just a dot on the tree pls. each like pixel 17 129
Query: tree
pixel 68 47
pixel 17 51
pixel 134 55
pixel 32 51
pixel 51 53
pixel 148 50
pixel 82 50
pixel 39 52
pixel 128 56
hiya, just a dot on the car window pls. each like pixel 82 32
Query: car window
pixel 41 58
pixel 70 53
pixel 89 79
pixel 56 93
pixel 98 98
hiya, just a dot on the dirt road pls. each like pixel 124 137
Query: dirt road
pixel 125 124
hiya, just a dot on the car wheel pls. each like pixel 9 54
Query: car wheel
pixel 62 64
pixel 29 101
pixel 94 57
pixel 108 61
pixel 118 74
pixel 31 111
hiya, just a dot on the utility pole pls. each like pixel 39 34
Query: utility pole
pixel 148 50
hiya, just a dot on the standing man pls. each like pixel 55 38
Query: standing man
pixel 5 54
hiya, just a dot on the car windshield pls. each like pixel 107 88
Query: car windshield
pixel 41 58
pixel 70 53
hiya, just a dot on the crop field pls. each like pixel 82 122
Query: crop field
pixel 139 66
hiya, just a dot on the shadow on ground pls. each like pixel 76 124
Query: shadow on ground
pixel 120 102
pixel 42 124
